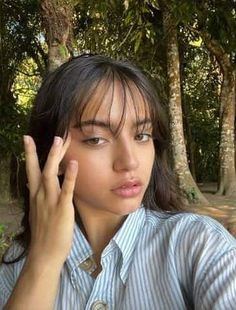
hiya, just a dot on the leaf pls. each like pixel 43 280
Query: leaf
pixel 138 41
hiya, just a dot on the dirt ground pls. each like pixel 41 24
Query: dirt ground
pixel 221 208
pixel 10 216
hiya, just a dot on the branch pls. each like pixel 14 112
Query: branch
pixel 215 48
pixel 126 37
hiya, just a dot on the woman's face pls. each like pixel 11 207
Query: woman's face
pixel 114 170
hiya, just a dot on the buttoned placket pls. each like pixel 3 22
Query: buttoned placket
pixel 108 289
pixel 89 265
pixel 103 295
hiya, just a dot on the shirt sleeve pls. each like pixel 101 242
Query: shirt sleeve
pixel 6 283
pixel 218 287
pixel 204 253
pixel 212 252
pixel 9 273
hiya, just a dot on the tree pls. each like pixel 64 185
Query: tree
pixel 201 101
pixel 17 38
pixel 57 21
pixel 216 24
pixel 178 148
pixel 227 175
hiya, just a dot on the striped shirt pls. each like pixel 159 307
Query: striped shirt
pixel 155 261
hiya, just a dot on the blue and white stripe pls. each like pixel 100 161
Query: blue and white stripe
pixel 155 261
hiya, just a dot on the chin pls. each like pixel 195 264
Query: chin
pixel 126 208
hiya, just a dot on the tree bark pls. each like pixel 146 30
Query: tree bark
pixel 227 174
pixel 5 195
pixel 178 148
pixel 57 21
pixel 191 144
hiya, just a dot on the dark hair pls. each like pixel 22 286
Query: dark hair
pixel 65 94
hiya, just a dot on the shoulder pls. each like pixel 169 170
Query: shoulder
pixel 9 272
pixel 184 221
pixel 188 228
pixel 190 242
pixel 13 252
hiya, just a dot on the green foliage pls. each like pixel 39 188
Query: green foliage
pixel 5 239
pixel 123 29
pixel 14 122
pixel 26 84
pixel 3 243
pixel 19 29
pixel 191 194
pixel 217 17
pixel 201 100
pixel 12 131
pixel 63 51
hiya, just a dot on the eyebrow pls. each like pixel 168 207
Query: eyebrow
pixel 107 125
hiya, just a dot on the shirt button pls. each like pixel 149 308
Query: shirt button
pixel 88 265
pixel 99 305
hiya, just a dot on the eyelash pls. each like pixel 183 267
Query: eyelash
pixel 145 137
pixel 90 141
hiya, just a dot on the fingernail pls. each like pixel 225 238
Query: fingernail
pixel 57 140
pixel 26 139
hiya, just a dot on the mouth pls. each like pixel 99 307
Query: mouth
pixel 128 189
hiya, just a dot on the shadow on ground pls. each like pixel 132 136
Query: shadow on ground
pixel 222 208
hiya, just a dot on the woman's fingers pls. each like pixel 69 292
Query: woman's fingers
pixel 48 179
pixel 51 166
pixel 69 183
pixel 51 207
pixel 55 156
pixel 32 165
pixel 50 171
pixel 65 146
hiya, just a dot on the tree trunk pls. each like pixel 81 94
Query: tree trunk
pixel 5 180
pixel 227 174
pixel 227 177
pixel 179 157
pixel 57 21
pixel 191 144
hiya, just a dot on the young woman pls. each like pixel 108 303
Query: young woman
pixel 101 229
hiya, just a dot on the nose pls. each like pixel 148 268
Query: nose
pixel 125 157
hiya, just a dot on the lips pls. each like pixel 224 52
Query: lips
pixel 128 189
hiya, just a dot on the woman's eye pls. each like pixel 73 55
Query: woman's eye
pixel 94 141
pixel 143 137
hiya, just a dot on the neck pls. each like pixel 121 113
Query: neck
pixel 98 227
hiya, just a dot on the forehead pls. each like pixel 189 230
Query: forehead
pixel 116 102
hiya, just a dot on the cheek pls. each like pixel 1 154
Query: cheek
pixel 93 178
pixel 148 158
pixel 91 166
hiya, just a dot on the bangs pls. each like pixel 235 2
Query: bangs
pixel 103 92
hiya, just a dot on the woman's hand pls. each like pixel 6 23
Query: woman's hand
pixel 51 207
pixel 51 222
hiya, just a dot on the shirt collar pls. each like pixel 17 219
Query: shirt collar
pixel 127 237
pixel 80 249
